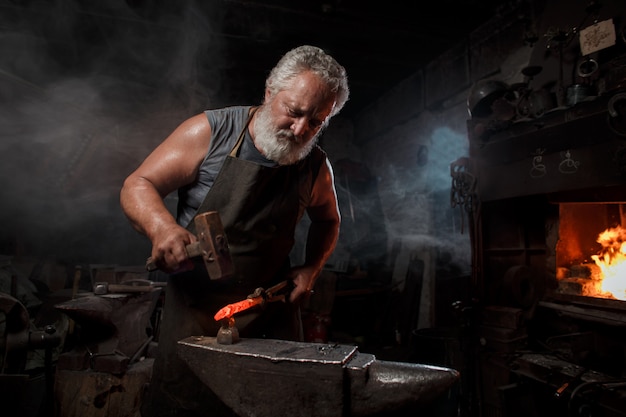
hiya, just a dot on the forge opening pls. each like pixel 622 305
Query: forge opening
pixel 591 250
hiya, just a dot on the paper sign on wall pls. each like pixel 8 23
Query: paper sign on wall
pixel 597 37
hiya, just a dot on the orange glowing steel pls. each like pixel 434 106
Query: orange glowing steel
pixel 612 264
pixel 231 309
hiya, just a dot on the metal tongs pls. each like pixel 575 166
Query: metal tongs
pixel 259 296
pixel 271 294
pixel 228 333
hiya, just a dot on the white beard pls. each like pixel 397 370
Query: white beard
pixel 279 145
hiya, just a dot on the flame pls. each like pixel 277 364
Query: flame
pixel 612 263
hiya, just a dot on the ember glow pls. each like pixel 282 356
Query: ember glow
pixel 612 263
pixel 232 309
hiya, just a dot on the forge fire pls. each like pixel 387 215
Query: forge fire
pixel 612 264
pixel 592 269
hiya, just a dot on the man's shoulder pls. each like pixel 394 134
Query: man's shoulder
pixel 226 120
pixel 317 154
pixel 229 111
pixel 314 161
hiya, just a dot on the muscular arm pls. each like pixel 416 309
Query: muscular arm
pixel 322 235
pixel 173 164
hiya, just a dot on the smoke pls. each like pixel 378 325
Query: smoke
pixel 417 196
pixel 449 228
pixel 87 89
pixel 446 147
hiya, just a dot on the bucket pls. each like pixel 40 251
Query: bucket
pixel 576 93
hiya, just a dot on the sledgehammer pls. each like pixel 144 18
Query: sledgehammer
pixel 212 245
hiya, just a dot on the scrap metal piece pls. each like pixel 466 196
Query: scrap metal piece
pixel 267 377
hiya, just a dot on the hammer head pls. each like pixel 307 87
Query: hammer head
pixel 101 288
pixel 212 245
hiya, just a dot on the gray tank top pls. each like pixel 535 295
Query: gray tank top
pixel 226 125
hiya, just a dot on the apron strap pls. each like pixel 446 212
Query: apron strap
pixel 233 152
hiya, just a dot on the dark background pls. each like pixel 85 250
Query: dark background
pixel 87 89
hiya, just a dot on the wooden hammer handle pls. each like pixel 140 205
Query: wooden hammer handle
pixel 193 249
pixel 121 288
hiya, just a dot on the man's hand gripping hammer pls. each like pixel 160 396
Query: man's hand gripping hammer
pixel 212 245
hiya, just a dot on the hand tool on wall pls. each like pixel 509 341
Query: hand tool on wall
pixel 212 245
pixel 78 270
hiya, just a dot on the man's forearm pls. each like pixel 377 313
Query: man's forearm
pixel 144 208
pixel 321 242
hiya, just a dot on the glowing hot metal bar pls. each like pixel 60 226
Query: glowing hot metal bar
pixel 258 297
pixel 234 308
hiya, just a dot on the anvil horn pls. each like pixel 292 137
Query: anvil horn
pixel 266 378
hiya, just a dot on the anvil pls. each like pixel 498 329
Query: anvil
pixel 268 378
pixel 113 329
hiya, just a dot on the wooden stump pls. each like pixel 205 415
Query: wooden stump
pixel 98 394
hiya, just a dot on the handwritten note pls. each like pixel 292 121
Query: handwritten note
pixel 596 37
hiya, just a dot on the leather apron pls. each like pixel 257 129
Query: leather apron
pixel 259 207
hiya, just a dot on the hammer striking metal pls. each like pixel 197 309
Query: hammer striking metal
pixel 212 245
